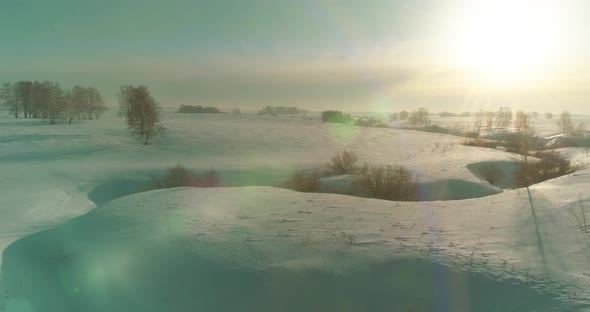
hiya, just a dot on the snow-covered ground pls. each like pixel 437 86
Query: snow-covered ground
pixel 49 170
pixel 505 252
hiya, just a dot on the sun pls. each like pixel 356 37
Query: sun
pixel 505 42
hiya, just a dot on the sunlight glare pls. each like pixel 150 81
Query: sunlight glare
pixel 506 42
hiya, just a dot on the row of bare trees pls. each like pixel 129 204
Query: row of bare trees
pixel 48 100
pixel 501 119
pixel 504 117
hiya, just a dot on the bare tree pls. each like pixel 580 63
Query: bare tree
pixel 478 123
pixel 8 98
pixel 141 111
pixel 489 119
pixel 521 122
pixel 75 103
pixel 565 122
pixel 23 92
pixel 56 103
pixel 503 117
pixel 37 100
pixel 87 103
pixel 419 117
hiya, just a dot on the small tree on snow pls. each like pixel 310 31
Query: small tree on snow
pixel 141 111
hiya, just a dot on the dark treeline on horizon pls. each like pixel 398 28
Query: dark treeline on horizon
pixel 48 100
pixel 198 109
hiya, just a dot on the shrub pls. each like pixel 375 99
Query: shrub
pixel 391 183
pixel 550 166
pixel 491 173
pixel 518 142
pixel 344 162
pixel 301 181
pixel 481 143
pixel 336 117
pixel 178 176
pixel 512 143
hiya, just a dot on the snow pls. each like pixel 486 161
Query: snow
pixel 49 170
pixel 263 246
pixel 485 254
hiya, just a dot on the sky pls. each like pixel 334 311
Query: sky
pixel 373 55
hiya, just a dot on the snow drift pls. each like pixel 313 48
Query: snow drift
pixel 267 249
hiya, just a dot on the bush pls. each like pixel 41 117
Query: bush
pixel 344 162
pixel 550 166
pixel 512 143
pixel 304 182
pixel 336 117
pixel 491 173
pixel 391 183
pixel 518 142
pixel 481 143
pixel 178 176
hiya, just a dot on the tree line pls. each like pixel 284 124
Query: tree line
pixel 198 109
pixel 48 100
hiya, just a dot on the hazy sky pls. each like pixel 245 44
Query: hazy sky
pixel 386 55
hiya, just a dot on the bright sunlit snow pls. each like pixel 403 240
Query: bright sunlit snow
pixel 252 246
